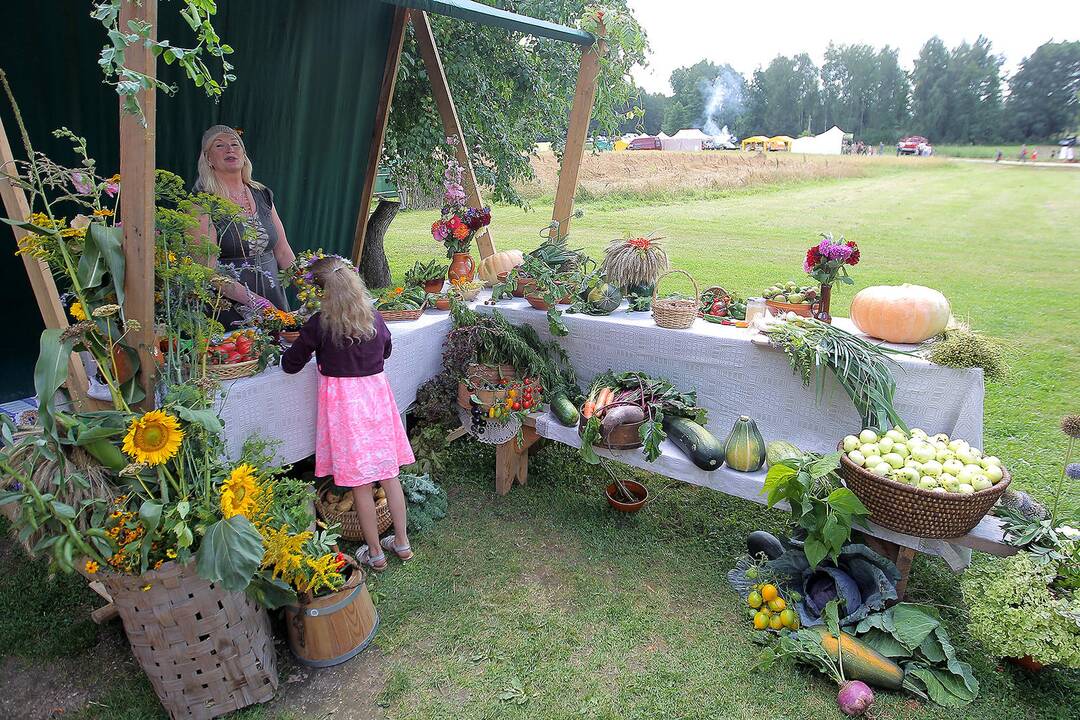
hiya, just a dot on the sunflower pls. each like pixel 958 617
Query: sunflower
pixel 240 493
pixel 153 438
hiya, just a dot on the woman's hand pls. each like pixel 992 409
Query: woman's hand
pixel 258 302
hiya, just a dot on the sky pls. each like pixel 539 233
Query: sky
pixel 748 35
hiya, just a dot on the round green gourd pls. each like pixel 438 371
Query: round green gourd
pixel 778 450
pixel 605 298
pixel 744 449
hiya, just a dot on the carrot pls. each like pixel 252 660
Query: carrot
pixel 604 398
pixel 590 405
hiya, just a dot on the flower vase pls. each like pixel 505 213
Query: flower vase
pixel 820 309
pixel 462 268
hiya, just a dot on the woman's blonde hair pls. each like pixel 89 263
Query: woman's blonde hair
pixel 347 312
pixel 208 181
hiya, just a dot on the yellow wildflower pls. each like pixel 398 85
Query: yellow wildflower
pixel 324 574
pixel 153 438
pixel 73 232
pixel 171 554
pixel 103 213
pixel 146 587
pixel 91 567
pixel 76 311
pixel 43 221
pixel 34 246
pixel 283 552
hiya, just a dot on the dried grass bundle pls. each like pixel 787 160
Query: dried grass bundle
pixel 634 261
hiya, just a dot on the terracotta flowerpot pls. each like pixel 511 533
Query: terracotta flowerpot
pixel 523 284
pixel 434 286
pixel 442 303
pixel 636 489
pixel 537 302
pixel 462 267
pixel 289 336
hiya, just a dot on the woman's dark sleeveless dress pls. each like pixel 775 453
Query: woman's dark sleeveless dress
pixel 253 258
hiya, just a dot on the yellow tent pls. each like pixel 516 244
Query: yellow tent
pixel 750 143
pixel 781 142
pixel 621 145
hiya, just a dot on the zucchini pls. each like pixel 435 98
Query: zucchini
pixel 564 410
pixel 861 662
pixel 698 443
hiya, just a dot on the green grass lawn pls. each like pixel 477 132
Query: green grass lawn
pixel 989 152
pixel 545 604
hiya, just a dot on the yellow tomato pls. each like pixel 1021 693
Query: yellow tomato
pixel 777 604
pixel 761 621
pixel 775 622
pixel 768 592
pixel 788 618
pixel 754 599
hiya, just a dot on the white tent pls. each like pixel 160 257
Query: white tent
pixel 827 143
pixel 663 136
pixel 687 139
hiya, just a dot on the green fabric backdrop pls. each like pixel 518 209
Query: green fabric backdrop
pixel 308 78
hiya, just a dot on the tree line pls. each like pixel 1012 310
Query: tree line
pixel 958 95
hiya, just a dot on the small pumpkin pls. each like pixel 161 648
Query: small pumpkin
pixel 744 449
pixel 900 313
pixel 779 450
pixel 499 262
pixel 604 298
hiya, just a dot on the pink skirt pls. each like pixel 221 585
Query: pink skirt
pixel 359 435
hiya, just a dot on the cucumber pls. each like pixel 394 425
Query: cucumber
pixel 698 443
pixel 564 411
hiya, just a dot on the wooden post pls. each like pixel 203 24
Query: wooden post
pixel 41 280
pixel 512 460
pixel 137 160
pixel 576 133
pixel 444 101
pixel 382 114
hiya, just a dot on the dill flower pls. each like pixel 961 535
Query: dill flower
pixel 153 438
pixel 106 310
pixel 132 325
pixel 131 470
pixel 76 331
pixel 1070 425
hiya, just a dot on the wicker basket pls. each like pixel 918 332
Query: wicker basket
pixel 232 371
pixel 207 652
pixel 673 313
pixel 914 511
pixel 350 519
pixel 401 315
pixel 485 373
pixel 801 309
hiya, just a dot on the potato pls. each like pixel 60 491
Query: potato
pixel 346 504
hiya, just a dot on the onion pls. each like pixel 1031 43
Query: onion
pixel 855 698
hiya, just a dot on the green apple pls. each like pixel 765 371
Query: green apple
pixel 869 449
pixel 901 450
pixel 939 490
pixel 965 489
pixel 975 452
pixel 851 443
pixel 881 469
pixel 906 475
pixel 981 482
pixel 885 445
pixel 941 437
pixel 966 475
pixel 949 482
pixel 894 460
pixel 857 457
pixel 953 467
pixel 918 433
pixel 868 436
pixel 931 468
pixel 897 436
pixel 994 473
pixel 955 445
pixel 964 455
pixel 927 483
pixel 991 460
pixel 975 468
pixel 943 455
pixel 914 464
pixel 923 453
pixel 940 447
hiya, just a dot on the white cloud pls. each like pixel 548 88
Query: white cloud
pixel 748 35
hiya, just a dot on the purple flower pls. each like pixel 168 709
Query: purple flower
pixel 1072 470
pixel 834 251
pixel 455 194
pixel 111 188
pixel 82 183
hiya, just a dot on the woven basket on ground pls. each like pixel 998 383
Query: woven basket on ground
pixel 349 520
pixel 232 371
pixel 675 313
pixel 914 511
pixel 207 652
pixel 401 315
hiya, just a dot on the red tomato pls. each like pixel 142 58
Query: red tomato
pixel 234 357
pixel 516 406
pixel 528 404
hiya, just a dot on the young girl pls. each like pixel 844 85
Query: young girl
pixel 360 438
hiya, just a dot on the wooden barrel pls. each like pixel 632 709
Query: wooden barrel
pixel 331 629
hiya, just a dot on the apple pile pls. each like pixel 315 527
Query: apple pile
pixel 930 462
pixel 236 347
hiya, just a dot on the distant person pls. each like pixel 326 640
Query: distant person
pixel 999 156
pixel 1035 155
pixel 881 148
pixel 1023 153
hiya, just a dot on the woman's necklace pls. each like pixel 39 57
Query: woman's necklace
pixel 243 199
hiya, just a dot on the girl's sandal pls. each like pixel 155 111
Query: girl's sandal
pixel 377 562
pixel 404 552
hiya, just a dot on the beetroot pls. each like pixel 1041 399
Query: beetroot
pixel 855 698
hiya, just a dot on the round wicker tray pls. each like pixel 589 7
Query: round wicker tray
pixel 233 371
pixel 350 520
pixel 672 313
pixel 402 315
pixel 914 511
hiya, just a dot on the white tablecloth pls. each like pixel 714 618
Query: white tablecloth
pixel 733 377
pixel 282 407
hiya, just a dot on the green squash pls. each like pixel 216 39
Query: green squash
pixel 604 299
pixel 744 449
pixel 779 450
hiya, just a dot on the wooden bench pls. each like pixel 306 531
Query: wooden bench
pixel 512 466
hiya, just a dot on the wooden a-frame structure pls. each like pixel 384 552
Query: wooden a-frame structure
pixel 138 158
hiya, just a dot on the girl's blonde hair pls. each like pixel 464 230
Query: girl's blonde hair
pixel 347 312
pixel 208 181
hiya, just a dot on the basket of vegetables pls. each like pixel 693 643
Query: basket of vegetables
pixel 238 354
pixel 721 307
pixel 485 385
pixel 402 303
pixel 335 507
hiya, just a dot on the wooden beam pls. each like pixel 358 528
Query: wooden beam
pixel 41 280
pixel 382 115
pixel 576 134
pixel 444 101
pixel 137 160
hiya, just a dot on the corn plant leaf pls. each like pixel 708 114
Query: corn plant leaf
pixel 103 253
pixel 50 372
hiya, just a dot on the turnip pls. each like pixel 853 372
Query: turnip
pixel 855 698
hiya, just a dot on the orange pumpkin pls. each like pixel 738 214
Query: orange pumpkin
pixel 504 261
pixel 900 313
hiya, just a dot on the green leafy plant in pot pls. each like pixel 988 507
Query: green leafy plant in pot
pixel 634 264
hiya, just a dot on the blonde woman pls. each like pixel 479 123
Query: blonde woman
pixel 225 171
pixel 359 436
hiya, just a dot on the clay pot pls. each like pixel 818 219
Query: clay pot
pixel 289 336
pixel 1028 663
pixel 537 302
pixel 636 489
pixel 442 303
pixel 462 266
pixel 434 286
pixel 523 284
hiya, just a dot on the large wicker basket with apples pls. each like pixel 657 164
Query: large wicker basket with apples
pixel 921 485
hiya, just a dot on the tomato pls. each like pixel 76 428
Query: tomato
pixel 234 357
pixel 227 346
pixel 516 406
pixel 528 404
pixel 243 343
